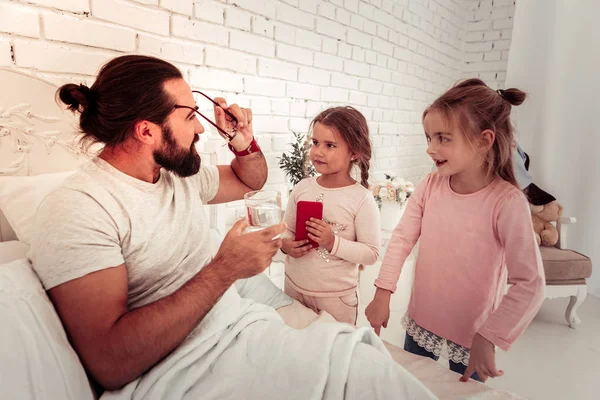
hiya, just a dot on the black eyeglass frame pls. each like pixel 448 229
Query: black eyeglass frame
pixel 226 135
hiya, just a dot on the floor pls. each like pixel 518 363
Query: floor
pixel 550 361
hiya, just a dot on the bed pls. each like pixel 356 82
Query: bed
pixel 37 152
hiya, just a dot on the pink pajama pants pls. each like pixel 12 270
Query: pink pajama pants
pixel 342 308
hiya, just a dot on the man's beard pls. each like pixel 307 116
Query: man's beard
pixel 182 162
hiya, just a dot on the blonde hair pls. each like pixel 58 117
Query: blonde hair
pixel 474 107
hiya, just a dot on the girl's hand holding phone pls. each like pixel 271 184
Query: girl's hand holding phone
pixel 295 248
pixel 320 232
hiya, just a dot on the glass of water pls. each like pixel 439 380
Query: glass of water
pixel 263 209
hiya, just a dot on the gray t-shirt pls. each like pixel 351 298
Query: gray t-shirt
pixel 101 217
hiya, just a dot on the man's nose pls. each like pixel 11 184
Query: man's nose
pixel 199 128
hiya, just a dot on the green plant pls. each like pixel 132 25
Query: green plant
pixel 296 164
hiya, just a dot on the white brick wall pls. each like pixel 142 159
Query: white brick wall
pixel 19 20
pixel 487 39
pixel 61 28
pixel 129 13
pixel 5 53
pixel 178 6
pixel 288 59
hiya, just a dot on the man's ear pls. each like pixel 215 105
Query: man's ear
pixel 486 140
pixel 146 132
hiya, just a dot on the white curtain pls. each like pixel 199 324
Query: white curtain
pixel 555 57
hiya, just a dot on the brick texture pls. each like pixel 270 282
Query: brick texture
pixel 286 59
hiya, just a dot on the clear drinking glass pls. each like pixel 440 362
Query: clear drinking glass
pixel 263 209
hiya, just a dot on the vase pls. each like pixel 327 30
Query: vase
pixel 391 212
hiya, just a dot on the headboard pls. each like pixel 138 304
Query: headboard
pixel 38 137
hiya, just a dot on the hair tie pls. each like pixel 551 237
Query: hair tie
pixel 501 92
pixel 90 95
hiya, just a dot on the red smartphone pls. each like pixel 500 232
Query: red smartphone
pixel 306 210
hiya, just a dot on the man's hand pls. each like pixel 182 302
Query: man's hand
pixel 119 344
pixel 249 254
pixel 294 248
pixel 378 311
pixel 320 232
pixel 246 172
pixel 482 360
pixel 245 133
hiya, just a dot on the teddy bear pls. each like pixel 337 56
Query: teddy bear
pixel 544 207
pixel 545 232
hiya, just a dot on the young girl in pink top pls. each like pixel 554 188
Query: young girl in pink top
pixel 475 232
pixel 326 278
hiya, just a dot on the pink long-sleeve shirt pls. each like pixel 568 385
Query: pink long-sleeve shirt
pixel 469 244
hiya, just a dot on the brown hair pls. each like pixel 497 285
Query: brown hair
pixel 475 107
pixel 128 89
pixel 352 125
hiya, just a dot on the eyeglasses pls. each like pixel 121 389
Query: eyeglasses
pixel 228 136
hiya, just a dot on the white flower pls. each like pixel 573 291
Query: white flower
pixel 402 196
pixel 383 193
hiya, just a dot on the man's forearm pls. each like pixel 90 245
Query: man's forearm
pixel 144 336
pixel 251 170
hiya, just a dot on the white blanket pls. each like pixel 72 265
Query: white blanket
pixel 260 357
pixel 438 378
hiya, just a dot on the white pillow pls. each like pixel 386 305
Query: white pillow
pixel 20 197
pixel 12 250
pixel 37 360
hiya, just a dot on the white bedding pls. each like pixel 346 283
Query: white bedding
pixel 260 357
pixel 443 382
pixel 37 361
pixel 438 378
pixel 12 250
